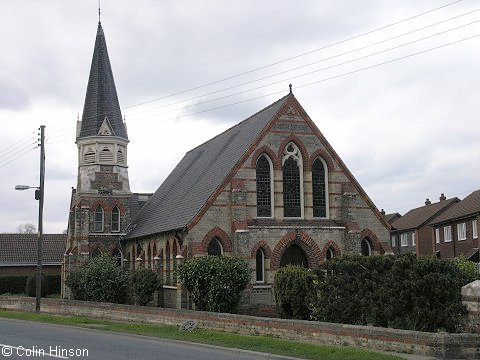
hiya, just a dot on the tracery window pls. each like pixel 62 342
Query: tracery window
pixel 215 247
pixel 292 181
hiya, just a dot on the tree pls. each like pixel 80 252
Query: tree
pixel 26 228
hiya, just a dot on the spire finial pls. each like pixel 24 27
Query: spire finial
pixel 290 86
pixel 99 12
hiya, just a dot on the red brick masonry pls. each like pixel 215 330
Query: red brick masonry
pixel 441 345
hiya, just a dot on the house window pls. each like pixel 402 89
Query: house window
pixel 437 235
pixel 115 219
pixel 292 184
pixel 98 219
pixel 404 240
pixel 89 156
pixel 215 247
pixel 462 231
pixel 394 240
pixel 260 266
pixel 447 233
pixel 264 186
pixel 474 229
pixel 319 188
pixel 413 239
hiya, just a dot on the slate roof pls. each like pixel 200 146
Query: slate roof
pixel 392 217
pixel 101 99
pixel 415 218
pixel 196 177
pixel 467 207
pixel 21 249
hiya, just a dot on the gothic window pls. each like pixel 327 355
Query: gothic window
pixel 120 157
pixel 149 257
pixel 264 187
pixel 260 266
pixel 215 247
pixel 292 181
pixel 105 155
pixel 96 252
pixel 89 156
pixel 366 247
pixel 98 219
pixel 330 254
pixel 319 188
pixel 174 258
pixel 115 219
pixel 167 263
pixel 117 256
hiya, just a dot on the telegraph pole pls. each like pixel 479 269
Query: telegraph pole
pixel 40 220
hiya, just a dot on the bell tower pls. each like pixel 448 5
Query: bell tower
pixel 100 204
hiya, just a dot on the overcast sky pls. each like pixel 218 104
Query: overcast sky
pixel 407 126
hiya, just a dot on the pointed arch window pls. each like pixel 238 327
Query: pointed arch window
pixel 366 247
pixel 115 226
pixel 105 155
pixel 319 188
pixel 89 156
pixel 167 263
pixel 98 219
pixel 330 254
pixel 260 266
pixel 215 247
pixel 264 179
pixel 292 170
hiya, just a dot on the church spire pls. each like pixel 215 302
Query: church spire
pixel 101 101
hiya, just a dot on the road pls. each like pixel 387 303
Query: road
pixel 30 340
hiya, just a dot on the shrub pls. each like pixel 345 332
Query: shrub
pixel 467 267
pixel 143 284
pixel 294 286
pixel 54 284
pixel 14 284
pixel 100 280
pixel 31 285
pixel 215 282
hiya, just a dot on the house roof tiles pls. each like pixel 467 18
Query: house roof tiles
pixel 467 207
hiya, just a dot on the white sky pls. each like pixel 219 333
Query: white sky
pixel 408 130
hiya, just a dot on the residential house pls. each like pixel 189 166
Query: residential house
pixel 456 229
pixel 412 232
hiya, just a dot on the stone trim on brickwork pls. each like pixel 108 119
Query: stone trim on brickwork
pixel 269 152
pixel 266 249
pixel 377 246
pixel 331 244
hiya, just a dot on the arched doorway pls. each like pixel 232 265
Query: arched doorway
pixel 294 255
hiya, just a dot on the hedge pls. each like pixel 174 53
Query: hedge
pixel 13 284
pixel 403 292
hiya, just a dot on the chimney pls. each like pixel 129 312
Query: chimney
pixel 428 202
pixel 442 197
pixel 382 212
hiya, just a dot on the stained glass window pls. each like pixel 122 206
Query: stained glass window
pixel 319 189
pixel 264 191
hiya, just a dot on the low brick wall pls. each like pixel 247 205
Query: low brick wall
pixel 440 345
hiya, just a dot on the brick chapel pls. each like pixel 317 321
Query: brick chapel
pixel 270 189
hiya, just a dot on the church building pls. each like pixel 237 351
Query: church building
pixel 271 190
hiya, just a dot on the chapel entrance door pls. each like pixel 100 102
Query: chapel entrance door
pixel 294 255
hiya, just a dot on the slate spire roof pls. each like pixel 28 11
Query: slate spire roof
pixel 101 99
pixel 196 177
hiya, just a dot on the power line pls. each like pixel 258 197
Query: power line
pixel 294 57
pixel 5 163
pixel 17 142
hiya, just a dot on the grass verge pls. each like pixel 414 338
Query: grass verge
pixel 253 343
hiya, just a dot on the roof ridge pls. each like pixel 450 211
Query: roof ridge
pixel 240 123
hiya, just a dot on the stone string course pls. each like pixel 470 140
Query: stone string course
pixel 440 345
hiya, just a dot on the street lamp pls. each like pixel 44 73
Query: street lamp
pixel 39 196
